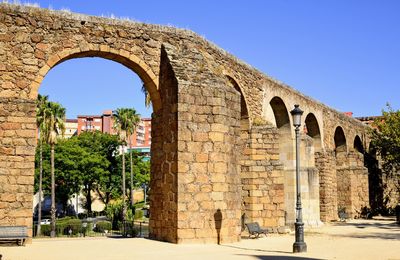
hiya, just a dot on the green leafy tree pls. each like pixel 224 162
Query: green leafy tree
pixel 140 169
pixel 99 166
pixel 86 161
pixel 386 141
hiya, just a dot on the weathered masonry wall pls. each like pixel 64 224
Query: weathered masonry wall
pixel 353 185
pixel 17 125
pixel 164 159
pixel 205 174
pixel 325 163
pixel 262 178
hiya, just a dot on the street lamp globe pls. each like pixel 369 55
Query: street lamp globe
pixel 296 114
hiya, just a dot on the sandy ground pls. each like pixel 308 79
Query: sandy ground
pixel 357 239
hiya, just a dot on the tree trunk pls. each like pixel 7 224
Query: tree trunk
pixel 53 195
pixel 123 186
pixel 38 232
pixel 130 152
pixel 89 199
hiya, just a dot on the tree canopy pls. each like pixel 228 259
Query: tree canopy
pixel 386 139
pixel 89 162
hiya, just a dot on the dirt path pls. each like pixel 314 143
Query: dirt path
pixel 358 239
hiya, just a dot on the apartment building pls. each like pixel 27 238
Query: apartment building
pixel 71 128
pixel 139 141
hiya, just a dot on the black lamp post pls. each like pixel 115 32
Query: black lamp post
pixel 299 245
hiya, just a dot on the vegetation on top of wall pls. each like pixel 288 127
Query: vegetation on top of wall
pixel 259 121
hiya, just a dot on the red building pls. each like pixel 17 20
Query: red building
pixel 105 123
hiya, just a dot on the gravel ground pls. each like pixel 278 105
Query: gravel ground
pixel 356 239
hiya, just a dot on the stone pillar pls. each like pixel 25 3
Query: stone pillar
pixel 163 195
pixel 325 162
pixel 352 183
pixel 309 180
pixel 359 184
pixel 309 186
pixel 195 177
pixel 262 178
pixel 17 154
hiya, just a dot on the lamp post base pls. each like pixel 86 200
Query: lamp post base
pixel 299 247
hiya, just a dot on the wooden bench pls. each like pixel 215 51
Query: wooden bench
pixel 17 233
pixel 255 230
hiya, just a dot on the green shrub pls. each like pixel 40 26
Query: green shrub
pixel 101 226
pixel 138 214
pixel 130 229
pixel 63 226
pixel 45 230
pixel 75 225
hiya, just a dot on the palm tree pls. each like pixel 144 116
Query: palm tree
pixel 41 112
pixel 134 119
pixel 125 121
pixel 53 126
pixel 147 99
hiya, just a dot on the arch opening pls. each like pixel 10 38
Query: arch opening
pixel 312 130
pixel 358 146
pixel 340 140
pixel 280 113
pixel 244 113
pixel 130 61
pixel 148 80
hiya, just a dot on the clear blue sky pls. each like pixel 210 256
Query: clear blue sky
pixel 343 53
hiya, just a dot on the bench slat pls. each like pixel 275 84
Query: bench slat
pixel 19 233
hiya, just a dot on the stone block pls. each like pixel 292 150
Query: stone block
pixel 201 157
pixel 220 167
pixel 218 177
pixel 186 233
pixel 216 136
pixel 215 196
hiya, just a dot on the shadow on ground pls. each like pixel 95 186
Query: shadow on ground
pixel 256 249
pixel 386 230
pixel 276 257
pixel 9 244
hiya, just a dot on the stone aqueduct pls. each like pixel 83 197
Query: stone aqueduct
pixel 222 144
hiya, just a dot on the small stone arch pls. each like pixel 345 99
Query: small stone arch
pixel 340 140
pixel 123 57
pixel 244 113
pixel 281 114
pixel 358 146
pixel 312 129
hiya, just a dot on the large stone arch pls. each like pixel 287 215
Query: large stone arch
pixel 244 143
pixel 310 148
pixel 375 178
pixel 286 155
pixel 342 172
pixel 125 58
